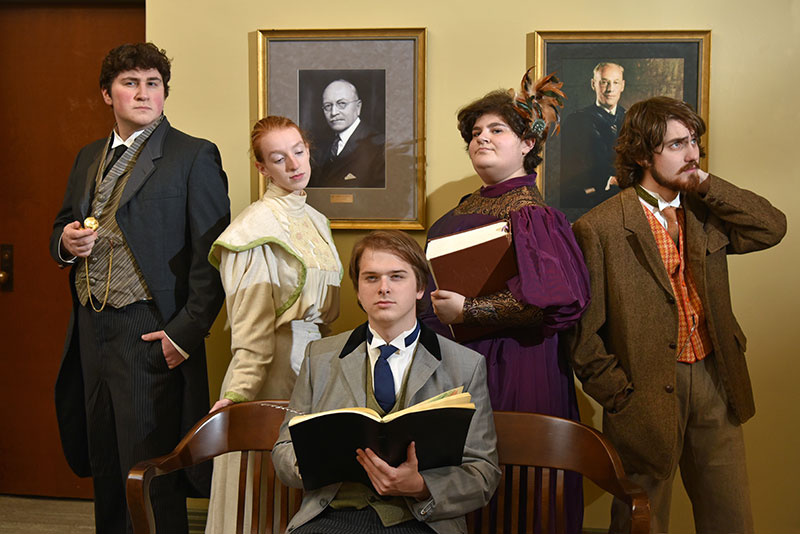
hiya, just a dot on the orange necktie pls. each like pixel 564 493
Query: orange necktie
pixel 671 215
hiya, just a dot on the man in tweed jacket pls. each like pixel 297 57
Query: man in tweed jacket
pixel 659 347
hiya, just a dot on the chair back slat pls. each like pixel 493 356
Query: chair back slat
pixel 516 473
pixel 255 515
pixel 544 499
pixel 560 508
pixel 242 494
pixel 269 503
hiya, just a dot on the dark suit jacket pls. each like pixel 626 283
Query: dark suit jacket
pixel 332 376
pixel 361 163
pixel 626 338
pixel 174 205
pixel 588 137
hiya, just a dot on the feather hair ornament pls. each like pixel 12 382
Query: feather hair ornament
pixel 539 103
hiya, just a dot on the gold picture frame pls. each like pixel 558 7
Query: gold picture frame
pixel 387 68
pixel 669 63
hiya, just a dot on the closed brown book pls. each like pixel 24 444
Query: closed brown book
pixel 474 263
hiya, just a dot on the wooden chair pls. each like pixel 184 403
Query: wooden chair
pixel 535 449
pixel 250 427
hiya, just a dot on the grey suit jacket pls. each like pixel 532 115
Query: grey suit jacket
pixel 332 376
pixel 627 338
pixel 174 205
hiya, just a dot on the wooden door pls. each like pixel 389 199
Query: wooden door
pixel 50 106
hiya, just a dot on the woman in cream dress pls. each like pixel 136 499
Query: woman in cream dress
pixel 281 273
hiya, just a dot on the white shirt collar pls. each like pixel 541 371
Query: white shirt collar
pixel 127 142
pixel 612 111
pixel 674 203
pixel 345 135
pixel 400 361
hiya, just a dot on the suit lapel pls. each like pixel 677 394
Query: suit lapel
pixel 696 242
pixel 427 359
pixel 88 188
pixel 641 239
pixel 353 360
pixel 422 368
pixel 353 141
pixel 145 163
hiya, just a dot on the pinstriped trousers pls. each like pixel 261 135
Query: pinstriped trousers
pixel 350 521
pixel 133 412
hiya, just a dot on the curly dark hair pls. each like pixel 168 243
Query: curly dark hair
pixel 501 104
pixel 643 131
pixel 138 56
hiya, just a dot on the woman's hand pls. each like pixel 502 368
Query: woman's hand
pixel 220 404
pixel 448 306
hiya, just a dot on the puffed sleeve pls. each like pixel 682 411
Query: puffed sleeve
pixel 248 278
pixel 552 274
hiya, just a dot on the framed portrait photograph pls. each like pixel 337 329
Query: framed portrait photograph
pixel 604 73
pixel 359 96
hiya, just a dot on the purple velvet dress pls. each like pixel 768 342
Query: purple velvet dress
pixel 525 373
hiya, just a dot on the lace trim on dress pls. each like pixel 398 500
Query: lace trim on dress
pixel 500 309
pixel 502 206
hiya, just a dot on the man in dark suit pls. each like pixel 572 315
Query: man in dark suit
pixel 133 373
pixel 355 155
pixel 587 142
pixel 659 347
pixel 389 363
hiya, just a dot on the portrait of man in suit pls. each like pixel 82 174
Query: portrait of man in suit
pixel 141 209
pixel 352 152
pixel 659 346
pixel 587 141
pixel 389 363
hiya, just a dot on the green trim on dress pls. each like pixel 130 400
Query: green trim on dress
pixel 255 244
pixel 235 397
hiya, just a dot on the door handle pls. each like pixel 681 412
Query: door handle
pixel 6 267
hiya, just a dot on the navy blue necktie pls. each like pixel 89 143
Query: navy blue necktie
pixel 382 377
pixel 384 381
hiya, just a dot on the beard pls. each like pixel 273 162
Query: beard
pixel 676 183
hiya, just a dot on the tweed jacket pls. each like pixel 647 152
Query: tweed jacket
pixel 627 338
pixel 174 205
pixel 332 376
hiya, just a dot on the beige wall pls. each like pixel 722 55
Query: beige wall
pixel 474 47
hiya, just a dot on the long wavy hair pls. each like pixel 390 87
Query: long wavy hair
pixel 642 135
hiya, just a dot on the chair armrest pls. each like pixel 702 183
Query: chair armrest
pixel 137 491
pixel 640 506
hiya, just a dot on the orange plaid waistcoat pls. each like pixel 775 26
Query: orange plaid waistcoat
pixel 694 342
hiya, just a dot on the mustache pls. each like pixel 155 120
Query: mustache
pixel 692 165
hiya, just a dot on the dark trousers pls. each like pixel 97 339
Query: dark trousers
pixel 133 412
pixel 364 521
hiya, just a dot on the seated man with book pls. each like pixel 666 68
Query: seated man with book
pixel 387 364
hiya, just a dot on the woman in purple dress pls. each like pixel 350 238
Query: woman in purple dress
pixel 504 135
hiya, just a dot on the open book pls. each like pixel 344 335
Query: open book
pixel 474 263
pixel 325 443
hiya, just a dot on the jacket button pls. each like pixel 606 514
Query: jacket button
pixel 669 388
pixel 673 345
pixel 323 503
